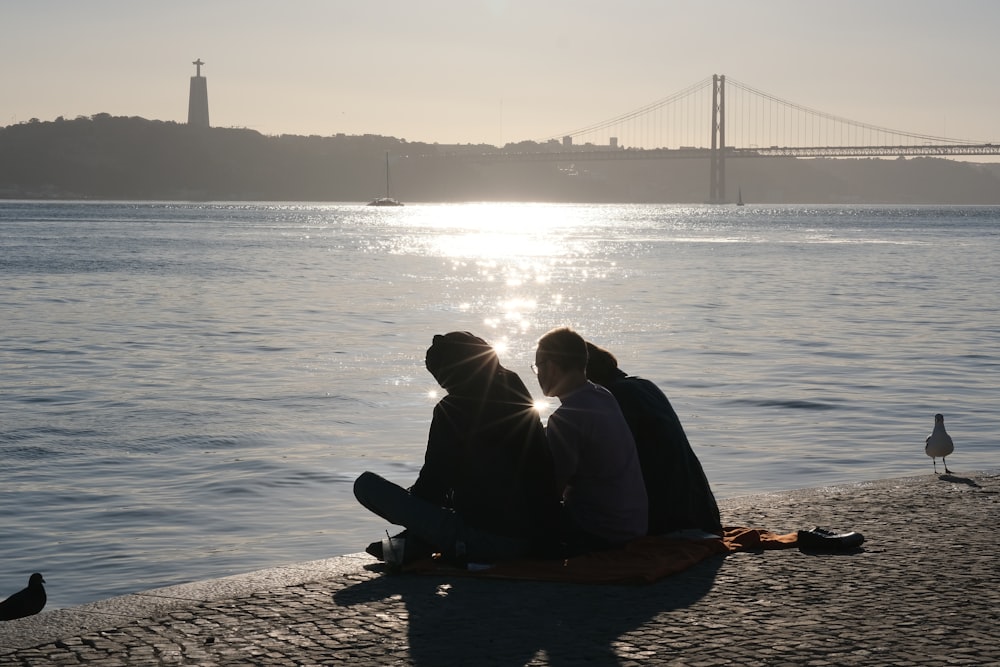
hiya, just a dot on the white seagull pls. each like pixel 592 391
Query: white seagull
pixel 939 443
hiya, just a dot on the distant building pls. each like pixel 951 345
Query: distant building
pixel 198 98
pixel 613 143
pixel 567 141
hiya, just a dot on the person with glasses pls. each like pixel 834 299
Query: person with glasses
pixel 486 491
pixel 597 467
pixel 680 497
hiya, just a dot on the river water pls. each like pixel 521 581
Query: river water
pixel 189 390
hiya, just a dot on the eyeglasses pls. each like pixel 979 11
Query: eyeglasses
pixel 536 366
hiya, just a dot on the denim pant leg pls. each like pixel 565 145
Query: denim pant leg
pixel 439 527
pixel 435 525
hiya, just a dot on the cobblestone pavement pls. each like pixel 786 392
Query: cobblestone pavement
pixel 924 590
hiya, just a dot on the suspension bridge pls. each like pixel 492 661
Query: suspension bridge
pixel 720 119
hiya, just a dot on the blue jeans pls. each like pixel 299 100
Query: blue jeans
pixel 440 527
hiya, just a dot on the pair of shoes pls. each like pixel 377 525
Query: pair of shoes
pixel 827 540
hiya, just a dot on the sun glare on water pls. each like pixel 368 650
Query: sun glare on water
pixel 486 232
pixel 507 258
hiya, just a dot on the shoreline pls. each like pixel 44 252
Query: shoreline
pixel 923 534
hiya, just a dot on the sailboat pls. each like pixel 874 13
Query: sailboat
pixel 386 200
pixel 739 197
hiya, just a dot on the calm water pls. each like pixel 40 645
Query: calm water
pixel 189 390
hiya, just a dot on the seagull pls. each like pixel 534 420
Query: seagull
pixel 26 602
pixel 939 443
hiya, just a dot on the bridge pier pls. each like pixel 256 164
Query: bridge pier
pixel 717 166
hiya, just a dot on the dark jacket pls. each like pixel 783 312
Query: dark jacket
pixel 678 490
pixel 486 455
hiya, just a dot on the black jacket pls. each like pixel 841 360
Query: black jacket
pixel 487 457
pixel 678 490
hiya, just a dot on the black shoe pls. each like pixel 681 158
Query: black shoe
pixel 408 549
pixel 375 549
pixel 393 560
pixel 827 540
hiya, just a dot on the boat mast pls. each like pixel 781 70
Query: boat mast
pixel 387 174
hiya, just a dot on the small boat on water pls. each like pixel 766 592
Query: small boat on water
pixel 387 200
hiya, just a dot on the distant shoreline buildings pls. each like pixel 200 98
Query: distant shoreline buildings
pixel 198 98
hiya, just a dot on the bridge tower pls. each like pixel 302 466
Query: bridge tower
pixel 198 98
pixel 717 166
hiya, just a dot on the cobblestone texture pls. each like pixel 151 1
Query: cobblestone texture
pixel 924 590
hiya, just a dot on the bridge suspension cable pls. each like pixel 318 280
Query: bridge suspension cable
pixel 753 119
pixel 649 113
pixel 804 126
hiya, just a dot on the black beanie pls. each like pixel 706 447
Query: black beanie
pixel 459 358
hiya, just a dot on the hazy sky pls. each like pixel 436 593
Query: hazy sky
pixel 495 71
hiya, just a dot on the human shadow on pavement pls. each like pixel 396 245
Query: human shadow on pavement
pixel 459 620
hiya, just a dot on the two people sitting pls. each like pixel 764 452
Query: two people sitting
pixel 612 465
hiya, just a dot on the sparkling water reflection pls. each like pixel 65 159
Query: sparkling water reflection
pixel 190 389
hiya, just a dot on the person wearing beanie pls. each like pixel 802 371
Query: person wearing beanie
pixel 486 490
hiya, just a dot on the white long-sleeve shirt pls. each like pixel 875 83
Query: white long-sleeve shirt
pixel 596 465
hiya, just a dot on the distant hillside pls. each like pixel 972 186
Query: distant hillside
pixel 105 157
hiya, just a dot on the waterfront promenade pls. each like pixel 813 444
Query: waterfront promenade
pixel 923 590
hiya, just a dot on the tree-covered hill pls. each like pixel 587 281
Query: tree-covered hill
pixel 106 157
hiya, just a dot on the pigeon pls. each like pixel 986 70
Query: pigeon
pixel 939 443
pixel 26 602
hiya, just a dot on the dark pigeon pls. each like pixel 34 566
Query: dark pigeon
pixel 26 602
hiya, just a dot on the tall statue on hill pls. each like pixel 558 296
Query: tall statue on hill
pixel 198 98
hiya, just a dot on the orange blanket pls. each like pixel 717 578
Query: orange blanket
pixel 641 561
